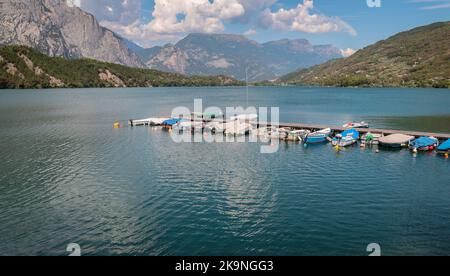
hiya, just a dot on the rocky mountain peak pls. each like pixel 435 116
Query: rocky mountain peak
pixel 57 29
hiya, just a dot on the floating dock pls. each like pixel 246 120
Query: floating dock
pixel 336 129
pixel 385 132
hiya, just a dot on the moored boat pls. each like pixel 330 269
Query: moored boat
pixel 424 144
pixel 356 125
pixel 371 138
pixel 249 118
pixel 237 128
pixel 320 136
pixel 444 148
pixel 297 135
pixel 279 133
pixel 169 124
pixel 346 138
pixel 188 126
pixel 148 122
pixel 395 140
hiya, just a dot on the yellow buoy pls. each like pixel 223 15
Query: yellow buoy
pixel 446 156
pixel 116 124
pixel 336 147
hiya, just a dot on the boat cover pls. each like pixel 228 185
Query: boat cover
pixel 445 146
pixel 396 139
pixel 351 132
pixel 172 122
pixel 424 142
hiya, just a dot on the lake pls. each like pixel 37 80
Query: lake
pixel 68 177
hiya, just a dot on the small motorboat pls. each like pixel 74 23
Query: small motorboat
pixel 356 125
pixel 297 135
pixel 207 116
pixel 148 122
pixel 169 124
pixel 215 126
pixel 395 140
pixel 280 133
pixel 371 138
pixel 245 118
pixel 262 131
pixel 237 128
pixel 188 126
pixel 424 144
pixel 320 136
pixel 444 148
pixel 346 138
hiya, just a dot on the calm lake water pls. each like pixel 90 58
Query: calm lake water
pixel 66 176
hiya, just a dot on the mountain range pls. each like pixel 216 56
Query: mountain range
pixel 57 29
pixel 237 56
pixel 416 58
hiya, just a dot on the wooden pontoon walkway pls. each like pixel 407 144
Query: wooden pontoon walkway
pixel 440 136
pixel 335 129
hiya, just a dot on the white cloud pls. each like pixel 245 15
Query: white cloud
pixel 199 15
pixel 347 52
pixel 117 11
pixel 301 19
pixel 173 19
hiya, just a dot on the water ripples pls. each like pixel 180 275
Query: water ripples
pixel 67 176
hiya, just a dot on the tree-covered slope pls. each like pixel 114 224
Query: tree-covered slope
pixel 416 58
pixel 23 67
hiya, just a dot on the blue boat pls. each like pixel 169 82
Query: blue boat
pixel 318 137
pixel 346 138
pixel 444 147
pixel 171 122
pixel 424 144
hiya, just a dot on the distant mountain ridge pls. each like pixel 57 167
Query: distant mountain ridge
pixel 233 55
pixel 55 29
pixel 416 58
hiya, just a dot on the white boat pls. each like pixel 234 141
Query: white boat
pixel 297 135
pixel 188 126
pixel 148 122
pixel 279 133
pixel 215 126
pixel 371 138
pixel 261 132
pixel 208 116
pixel 245 118
pixel 237 128
pixel 356 125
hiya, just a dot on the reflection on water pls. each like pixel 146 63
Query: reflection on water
pixel 67 176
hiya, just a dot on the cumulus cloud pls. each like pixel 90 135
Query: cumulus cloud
pixel 302 19
pixel 119 11
pixel 252 10
pixel 198 15
pixel 172 19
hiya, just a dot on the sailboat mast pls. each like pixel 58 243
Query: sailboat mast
pixel 246 81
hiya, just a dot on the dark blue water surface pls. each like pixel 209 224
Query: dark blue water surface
pixel 66 176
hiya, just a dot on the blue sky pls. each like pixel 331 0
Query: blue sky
pixel 345 24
